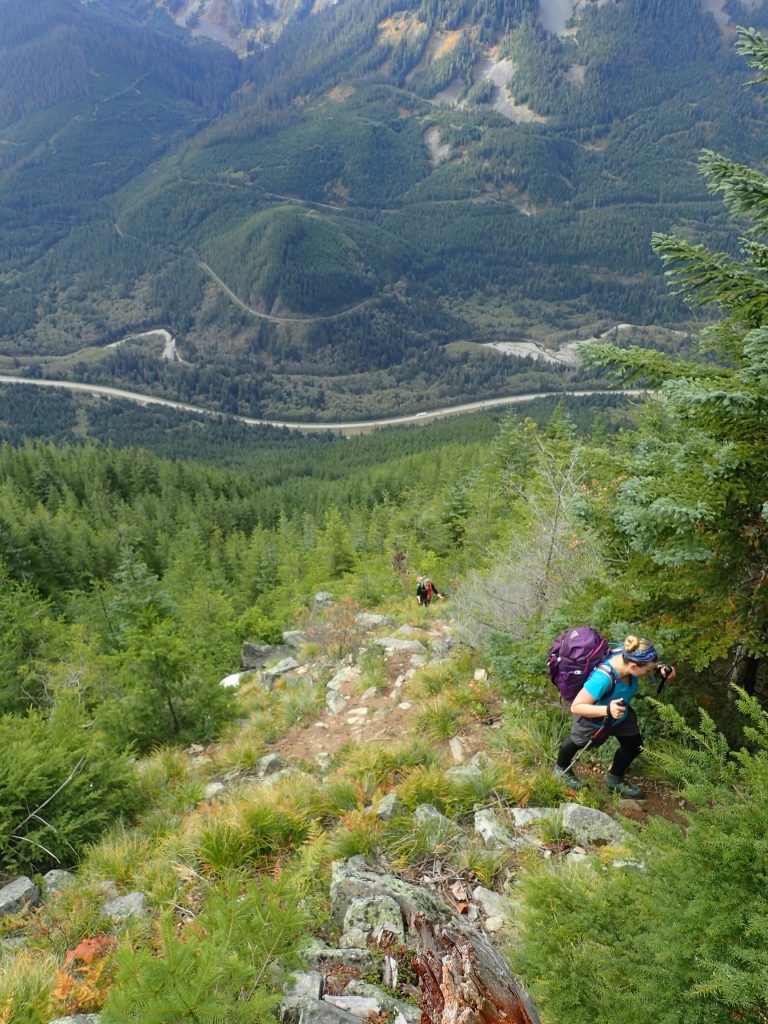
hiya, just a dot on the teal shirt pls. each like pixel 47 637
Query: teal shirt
pixel 599 684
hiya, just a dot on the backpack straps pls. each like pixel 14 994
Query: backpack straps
pixel 608 671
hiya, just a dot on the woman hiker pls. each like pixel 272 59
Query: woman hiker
pixel 601 709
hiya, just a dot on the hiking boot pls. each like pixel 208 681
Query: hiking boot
pixel 568 776
pixel 624 789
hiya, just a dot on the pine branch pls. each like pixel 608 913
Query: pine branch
pixel 711 278
pixel 633 365
pixel 752 45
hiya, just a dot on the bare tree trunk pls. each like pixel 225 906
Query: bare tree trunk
pixel 744 670
pixel 465 981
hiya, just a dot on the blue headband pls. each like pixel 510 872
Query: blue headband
pixel 642 657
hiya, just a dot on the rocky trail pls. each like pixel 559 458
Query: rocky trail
pixel 420 943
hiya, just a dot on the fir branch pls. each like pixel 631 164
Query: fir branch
pixel 633 365
pixel 754 46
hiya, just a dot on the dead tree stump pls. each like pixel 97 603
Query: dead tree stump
pixel 465 981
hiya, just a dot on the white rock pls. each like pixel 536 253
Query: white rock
pixel 213 789
pixel 358 1006
pixel 335 702
pixel 234 679
pixel 456 748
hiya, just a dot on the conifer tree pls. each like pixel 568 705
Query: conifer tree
pixel 687 514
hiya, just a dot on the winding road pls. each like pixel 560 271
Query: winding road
pixel 346 428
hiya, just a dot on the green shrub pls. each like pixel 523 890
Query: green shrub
pixel 696 914
pixel 220 968
pixel 62 786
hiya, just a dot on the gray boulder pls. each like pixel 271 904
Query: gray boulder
pixel 494 904
pixel 335 702
pixel 124 907
pixel 359 1006
pixel 314 1011
pixel 495 833
pixel 440 828
pixel 367 620
pixel 353 879
pixel 348 674
pixel 269 764
pixel 56 880
pixel 12 945
pixel 589 826
pixel 20 894
pixel 388 807
pixel 393 643
pixel 258 655
pixel 283 667
pixel 528 815
pixel 294 638
pixel 323 599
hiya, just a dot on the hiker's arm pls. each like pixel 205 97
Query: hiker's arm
pixel 584 704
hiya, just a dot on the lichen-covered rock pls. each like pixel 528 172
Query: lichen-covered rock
pixel 56 880
pixel 494 904
pixel 124 907
pixel 388 807
pixel 353 879
pixel 527 815
pixel 367 915
pixel 326 957
pixel 495 833
pixel 589 826
pixel 436 825
pixel 17 895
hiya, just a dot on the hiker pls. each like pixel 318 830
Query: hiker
pixel 426 590
pixel 601 709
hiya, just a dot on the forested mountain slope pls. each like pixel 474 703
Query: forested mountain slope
pixel 346 212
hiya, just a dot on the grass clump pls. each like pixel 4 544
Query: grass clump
pixel 26 979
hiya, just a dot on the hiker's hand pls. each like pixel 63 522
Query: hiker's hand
pixel 616 708
pixel 667 672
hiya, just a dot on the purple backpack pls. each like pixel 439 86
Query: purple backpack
pixel 573 656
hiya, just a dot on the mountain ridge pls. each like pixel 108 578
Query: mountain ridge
pixel 440 174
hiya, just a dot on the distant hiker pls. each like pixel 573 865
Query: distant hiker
pixel 601 710
pixel 426 590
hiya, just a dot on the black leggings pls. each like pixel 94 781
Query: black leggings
pixel 629 748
